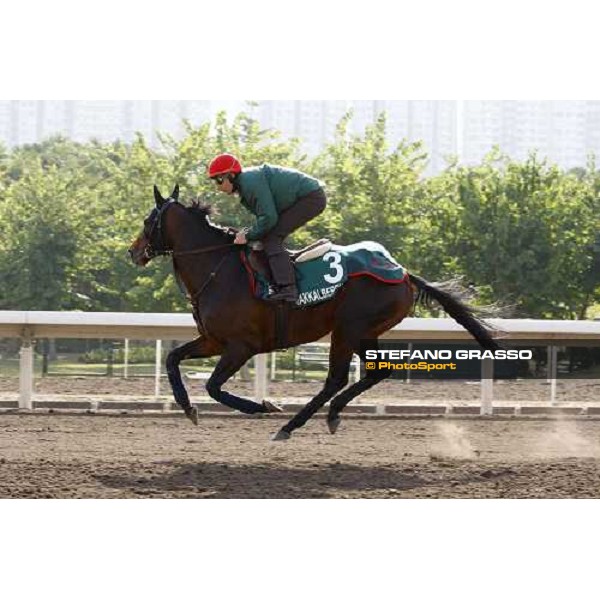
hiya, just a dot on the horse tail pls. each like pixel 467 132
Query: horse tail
pixel 448 295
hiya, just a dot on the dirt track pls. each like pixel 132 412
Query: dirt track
pixel 60 456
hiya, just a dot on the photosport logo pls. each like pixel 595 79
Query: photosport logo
pixel 440 359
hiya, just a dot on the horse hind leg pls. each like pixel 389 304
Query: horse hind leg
pixel 345 341
pixel 366 383
pixel 341 400
pixel 340 357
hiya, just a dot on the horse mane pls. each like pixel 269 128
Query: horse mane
pixel 202 210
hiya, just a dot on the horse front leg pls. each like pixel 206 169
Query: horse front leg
pixel 201 347
pixel 232 360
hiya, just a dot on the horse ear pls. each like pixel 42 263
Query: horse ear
pixel 158 198
pixel 175 192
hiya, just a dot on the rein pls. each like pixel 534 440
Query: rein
pixel 194 299
pixel 150 252
pixel 201 250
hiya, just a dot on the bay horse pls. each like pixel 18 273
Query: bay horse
pixel 235 325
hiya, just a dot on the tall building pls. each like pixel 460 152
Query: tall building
pixel 24 122
pixel 313 122
pixel 21 122
pixel 564 131
pixel 434 122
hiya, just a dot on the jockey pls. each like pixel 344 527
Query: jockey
pixel 282 200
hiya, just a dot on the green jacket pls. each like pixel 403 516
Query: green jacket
pixel 266 191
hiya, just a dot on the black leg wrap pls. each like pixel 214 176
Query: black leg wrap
pixel 245 406
pixel 179 391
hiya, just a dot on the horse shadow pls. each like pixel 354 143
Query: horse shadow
pixel 222 480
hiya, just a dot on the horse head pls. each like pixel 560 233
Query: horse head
pixel 151 241
pixel 188 227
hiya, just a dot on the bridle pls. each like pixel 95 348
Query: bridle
pixel 160 249
pixel 151 250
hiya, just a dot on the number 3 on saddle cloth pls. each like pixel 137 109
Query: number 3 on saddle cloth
pixel 322 269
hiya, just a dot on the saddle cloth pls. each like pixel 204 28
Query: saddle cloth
pixel 320 278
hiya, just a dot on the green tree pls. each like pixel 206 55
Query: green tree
pixel 38 243
pixel 524 234
pixel 374 194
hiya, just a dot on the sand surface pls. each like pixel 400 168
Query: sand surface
pixel 101 456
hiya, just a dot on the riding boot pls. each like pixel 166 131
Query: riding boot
pixel 284 277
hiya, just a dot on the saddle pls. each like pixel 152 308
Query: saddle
pixel 322 268
pixel 259 262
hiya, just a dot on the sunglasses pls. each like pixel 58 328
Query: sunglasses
pixel 219 180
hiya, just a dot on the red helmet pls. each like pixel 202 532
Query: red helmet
pixel 223 164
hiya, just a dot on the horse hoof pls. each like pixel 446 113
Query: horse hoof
pixel 333 424
pixel 193 415
pixel 271 407
pixel 281 436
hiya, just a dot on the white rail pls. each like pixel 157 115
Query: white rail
pixel 30 325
